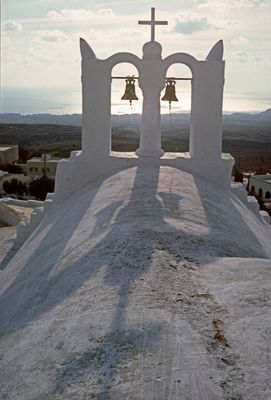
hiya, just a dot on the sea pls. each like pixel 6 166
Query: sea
pixel 62 101
pixel 40 100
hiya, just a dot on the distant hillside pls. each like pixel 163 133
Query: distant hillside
pixel 14 118
pixel 246 136
pixel 247 118
pixel 249 144
pixel 263 119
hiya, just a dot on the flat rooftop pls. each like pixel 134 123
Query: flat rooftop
pixel 39 159
pixel 4 148
pixel 265 178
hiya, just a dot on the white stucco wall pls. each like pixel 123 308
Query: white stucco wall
pixel 8 216
pixel 8 154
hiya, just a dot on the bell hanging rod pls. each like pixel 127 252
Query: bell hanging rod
pixel 136 77
pixel 180 79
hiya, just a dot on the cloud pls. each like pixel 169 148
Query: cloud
pixel 106 11
pixel 12 26
pixel 51 1
pixel 80 15
pixel 120 3
pixel 6 42
pixel 231 4
pixel 238 3
pixel 261 3
pixel 239 40
pixel 188 24
pixel 258 60
pixel 53 36
pixel 238 57
pixel 69 15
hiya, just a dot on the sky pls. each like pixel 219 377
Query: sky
pixel 40 47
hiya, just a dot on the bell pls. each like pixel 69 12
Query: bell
pixel 129 93
pixel 170 94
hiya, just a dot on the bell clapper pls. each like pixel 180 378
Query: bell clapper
pixel 170 115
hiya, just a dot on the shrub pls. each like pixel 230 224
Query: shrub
pixel 14 186
pixel 14 169
pixel 40 187
pixel 238 176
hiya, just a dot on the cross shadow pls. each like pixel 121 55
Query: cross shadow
pixel 125 343
pixel 146 206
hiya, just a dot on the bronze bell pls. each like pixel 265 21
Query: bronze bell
pixel 170 93
pixel 129 93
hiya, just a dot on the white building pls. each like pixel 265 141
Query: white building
pixel 261 185
pixel 8 154
pixel 37 165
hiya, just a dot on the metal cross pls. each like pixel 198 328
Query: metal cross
pixel 152 22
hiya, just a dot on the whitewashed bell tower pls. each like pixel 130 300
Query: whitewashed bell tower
pixel 96 158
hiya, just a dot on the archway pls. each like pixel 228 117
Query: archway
pixel 176 121
pixel 125 116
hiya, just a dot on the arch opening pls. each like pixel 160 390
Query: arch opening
pixel 125 118
pixel 176 122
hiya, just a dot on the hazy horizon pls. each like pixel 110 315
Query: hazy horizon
pixel 61 101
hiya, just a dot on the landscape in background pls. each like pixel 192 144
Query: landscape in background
pixel 246 136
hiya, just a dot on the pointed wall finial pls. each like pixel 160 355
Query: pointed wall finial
pixel 216 52
pixel 86 50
